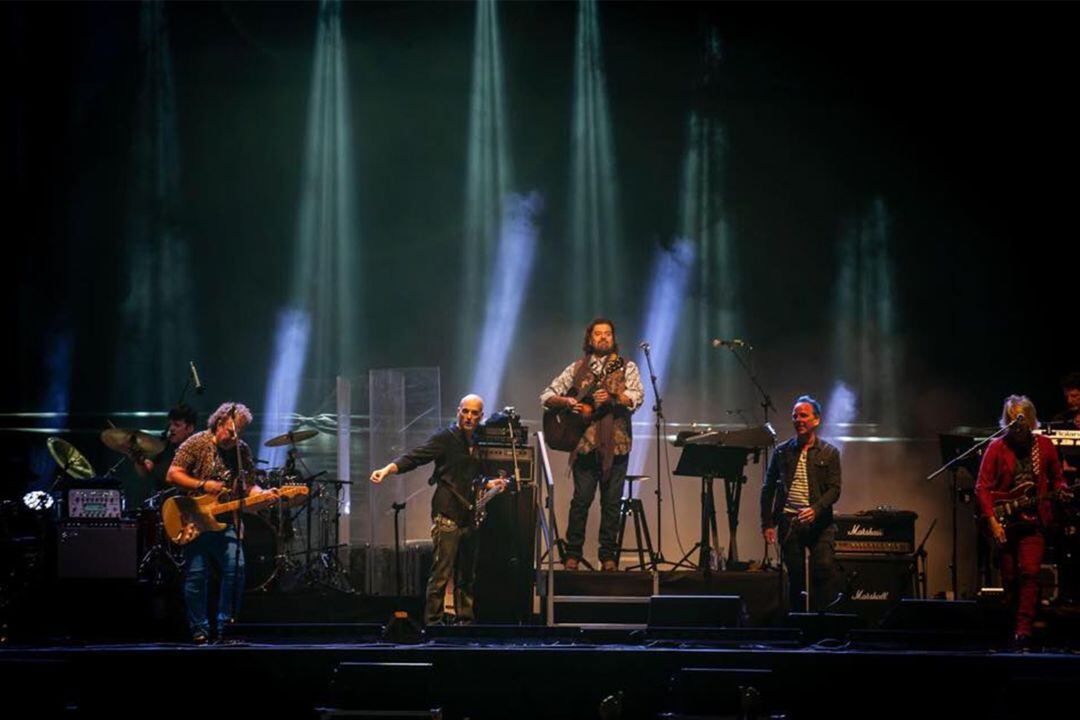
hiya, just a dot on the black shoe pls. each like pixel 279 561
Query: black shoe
pixel 200 637
pixel 1023 642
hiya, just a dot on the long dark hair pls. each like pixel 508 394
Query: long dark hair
pixel 586 346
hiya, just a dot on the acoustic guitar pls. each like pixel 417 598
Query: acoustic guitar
pixel 563 428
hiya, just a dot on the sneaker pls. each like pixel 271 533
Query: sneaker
pixel 570 563
pixel 200 637
pixel 608 566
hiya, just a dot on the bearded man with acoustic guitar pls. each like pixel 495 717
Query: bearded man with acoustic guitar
pixel 202 466
pixel 594 396
pixel 1019 474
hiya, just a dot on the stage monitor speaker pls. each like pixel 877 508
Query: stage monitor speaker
pixel 496 460
pixel 696 611
pixel 874 584
pixel 936 615
pixel 97 551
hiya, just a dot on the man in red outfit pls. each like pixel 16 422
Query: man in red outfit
pixel 1010 462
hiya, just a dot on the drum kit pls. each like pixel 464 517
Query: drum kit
pixel 280 547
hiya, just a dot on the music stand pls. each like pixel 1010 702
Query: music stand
pixel 709 462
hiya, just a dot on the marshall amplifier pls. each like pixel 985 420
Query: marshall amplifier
pixel 889 532
pixel 494 460
pixel 874 584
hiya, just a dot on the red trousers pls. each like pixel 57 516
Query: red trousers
pixel 1021 558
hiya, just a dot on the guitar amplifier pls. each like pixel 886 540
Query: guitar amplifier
pixel 499 435
pixel 890 532
pixel 494 460
pixel 97 551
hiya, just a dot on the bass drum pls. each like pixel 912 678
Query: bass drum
pixel 260 552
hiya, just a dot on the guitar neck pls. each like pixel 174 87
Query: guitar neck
pixel 234 505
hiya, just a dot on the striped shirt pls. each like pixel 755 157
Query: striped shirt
pixel 799 495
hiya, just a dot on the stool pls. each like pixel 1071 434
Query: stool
pixel 631 506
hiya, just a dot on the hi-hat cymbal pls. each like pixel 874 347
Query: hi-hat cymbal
pixel 126 441
pixel 70 460
pixel 291 438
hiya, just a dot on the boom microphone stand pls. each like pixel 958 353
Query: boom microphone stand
pixel 955 491
pixel 658 423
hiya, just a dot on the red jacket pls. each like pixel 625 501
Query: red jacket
pixel 997 469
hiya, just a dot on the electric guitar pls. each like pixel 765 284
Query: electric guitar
pixel 1011 504
pixel 186 517
pixel 563 428
pixel 484 496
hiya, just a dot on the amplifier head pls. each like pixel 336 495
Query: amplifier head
pixel 494 460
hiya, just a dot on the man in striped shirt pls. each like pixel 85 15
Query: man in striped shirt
pixel 801 486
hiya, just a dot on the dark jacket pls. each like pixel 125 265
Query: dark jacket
pixel 456 469
pixel 823 477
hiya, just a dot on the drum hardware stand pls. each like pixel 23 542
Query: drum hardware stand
pixel 324 567
pixel 159 564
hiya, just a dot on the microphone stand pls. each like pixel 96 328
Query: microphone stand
pixel 953 570
pixel 658 423
pixel 766 405
pixel 239 488
pixel 510 415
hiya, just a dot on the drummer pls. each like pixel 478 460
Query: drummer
pixel 182 419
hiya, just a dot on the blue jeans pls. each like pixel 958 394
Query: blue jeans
pixel 587 476
pixel 221 549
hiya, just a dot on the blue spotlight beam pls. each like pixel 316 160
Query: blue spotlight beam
pixel 318 329
pixel 594 228
pixel 667 292
pixel 488 172
pixel 283 388
pixel 513 267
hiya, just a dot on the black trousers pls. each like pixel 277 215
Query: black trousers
pixel 824 578
pixel 588 475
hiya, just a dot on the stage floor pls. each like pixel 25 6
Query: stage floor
pixel 302 671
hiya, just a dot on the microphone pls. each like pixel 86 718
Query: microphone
pixel 644 346
pixel 195 378
pixel 734 343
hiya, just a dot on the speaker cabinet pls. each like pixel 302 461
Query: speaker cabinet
pixel 504 573
pixel 97 551
pixel 874 584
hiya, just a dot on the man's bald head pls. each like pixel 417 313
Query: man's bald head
pixel 470 411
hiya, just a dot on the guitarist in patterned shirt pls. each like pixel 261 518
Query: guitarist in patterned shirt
pixel 601 455
pixel 1010 461
pixel 201 465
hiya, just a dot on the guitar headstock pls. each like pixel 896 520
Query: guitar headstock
pixel 614 366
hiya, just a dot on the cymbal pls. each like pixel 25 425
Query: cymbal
pixel 70 460
pixel 123 440
pixel 291 438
